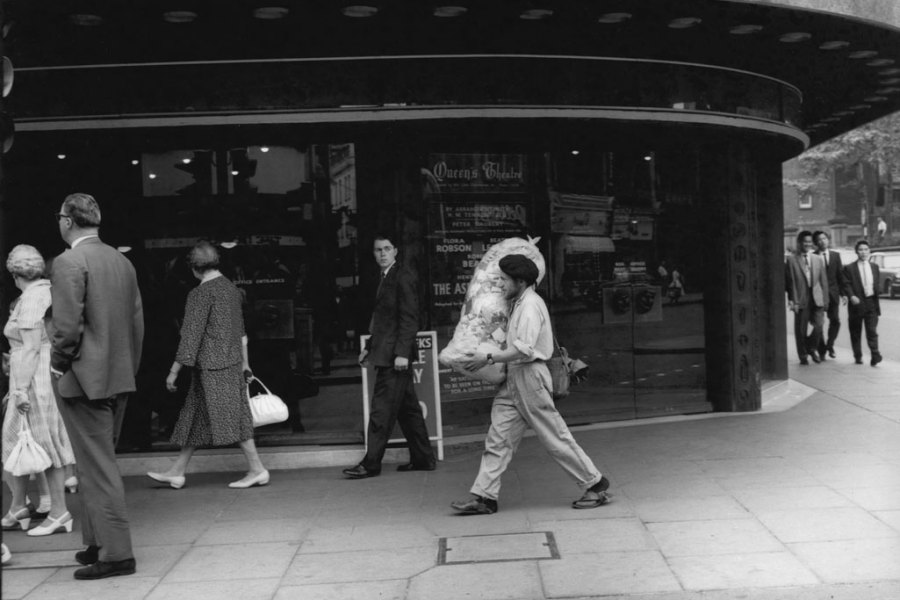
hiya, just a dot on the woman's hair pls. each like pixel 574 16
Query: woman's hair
pixel 26 262
pixel 83 209
pixel 203 257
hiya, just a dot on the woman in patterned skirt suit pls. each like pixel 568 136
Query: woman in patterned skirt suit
pixel 31 395
pixel 213 345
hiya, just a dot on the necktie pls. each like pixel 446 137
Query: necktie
pixel 865 277
pixel 825 254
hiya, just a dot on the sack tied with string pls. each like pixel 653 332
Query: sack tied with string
pixel 485 314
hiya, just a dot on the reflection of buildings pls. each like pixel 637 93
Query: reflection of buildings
pixel 682 112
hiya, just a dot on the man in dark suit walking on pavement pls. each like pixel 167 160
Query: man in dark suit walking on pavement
pixel 861 286
pixel 96 333
pixel 391 349
pixel 834 269
pixel 807 289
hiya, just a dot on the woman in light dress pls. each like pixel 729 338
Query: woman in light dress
pixel 31 395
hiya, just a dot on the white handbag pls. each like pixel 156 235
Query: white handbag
pixel 27 457
pixel 267 408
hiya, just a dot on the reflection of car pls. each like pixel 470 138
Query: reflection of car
pixel 889 266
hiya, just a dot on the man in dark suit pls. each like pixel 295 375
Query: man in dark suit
pixel 391 348
pixel 834 269
pixel 861 286
pixel 96 332
pixel 807 289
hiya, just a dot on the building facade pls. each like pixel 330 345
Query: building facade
pixel 632 141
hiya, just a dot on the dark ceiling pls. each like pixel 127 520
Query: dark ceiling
pixel 848 70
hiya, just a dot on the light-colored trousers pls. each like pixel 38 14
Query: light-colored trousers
pixel 524 401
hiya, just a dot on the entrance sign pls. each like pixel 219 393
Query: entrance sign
pixel 427 386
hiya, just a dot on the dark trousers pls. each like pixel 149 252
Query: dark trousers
pixel 863 314
pixel 93 427
pixel 395 401
pixel 803 317
pixel 834 324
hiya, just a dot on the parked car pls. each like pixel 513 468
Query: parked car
pixel 889 265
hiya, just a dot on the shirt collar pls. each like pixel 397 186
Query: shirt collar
pixel 82 238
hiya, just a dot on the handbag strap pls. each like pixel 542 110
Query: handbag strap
pixel 259 381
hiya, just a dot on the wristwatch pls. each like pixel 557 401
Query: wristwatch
pixel 490 358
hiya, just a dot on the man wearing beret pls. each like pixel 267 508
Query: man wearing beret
pixel 524 399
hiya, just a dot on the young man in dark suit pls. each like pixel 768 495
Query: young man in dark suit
pixel 807 290
pixel 861 286
pixel 834 269
pixel 96 333
pixel 391 349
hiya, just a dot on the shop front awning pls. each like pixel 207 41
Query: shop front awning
pixel 843 69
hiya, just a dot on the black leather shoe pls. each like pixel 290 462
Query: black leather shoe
pixel 102 570
pixel 876 358
pixel 414 467
pixel 360 472
pixel 831 353
pixel 815 357
pixel 859 361
pixel 88 556
pixel 476 505
pixel 803 361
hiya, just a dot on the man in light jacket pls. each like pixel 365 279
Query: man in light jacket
pixel 806 283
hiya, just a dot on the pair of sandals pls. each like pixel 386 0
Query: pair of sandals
pixel 594 496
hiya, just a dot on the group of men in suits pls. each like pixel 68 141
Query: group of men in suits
pixel 817 283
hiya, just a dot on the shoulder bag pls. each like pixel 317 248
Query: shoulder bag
pixel 559 371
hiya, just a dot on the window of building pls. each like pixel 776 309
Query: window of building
pixel 805 201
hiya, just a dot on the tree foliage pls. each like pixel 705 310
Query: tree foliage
pixel 876 143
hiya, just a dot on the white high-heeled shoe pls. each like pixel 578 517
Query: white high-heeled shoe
pixel 72 484
pixel 22 518
pixel 175 481
pixel 258 479
pixel 51 525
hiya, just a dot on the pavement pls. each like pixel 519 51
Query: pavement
pixel 799 501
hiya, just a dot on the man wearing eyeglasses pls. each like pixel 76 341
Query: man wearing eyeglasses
pixel 392 349
pixel 96 333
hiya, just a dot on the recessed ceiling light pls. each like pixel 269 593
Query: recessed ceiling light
pixel 576 152
pixel 450 11
pixel 86 19
pixel 880 62
pixel 61 156
pixel 536 14
pixel 179 16
pixel 270 13
pixel 186 161
pixel 614 17
pixel 135 162
pixel 833 45
pixel 263 148
pixel 875 99
pixel 745 29
pixel 863 54
pixel 684 22
pixel 794 36
pixel 359 11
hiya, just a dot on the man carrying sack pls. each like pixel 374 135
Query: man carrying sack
pixel 524 399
